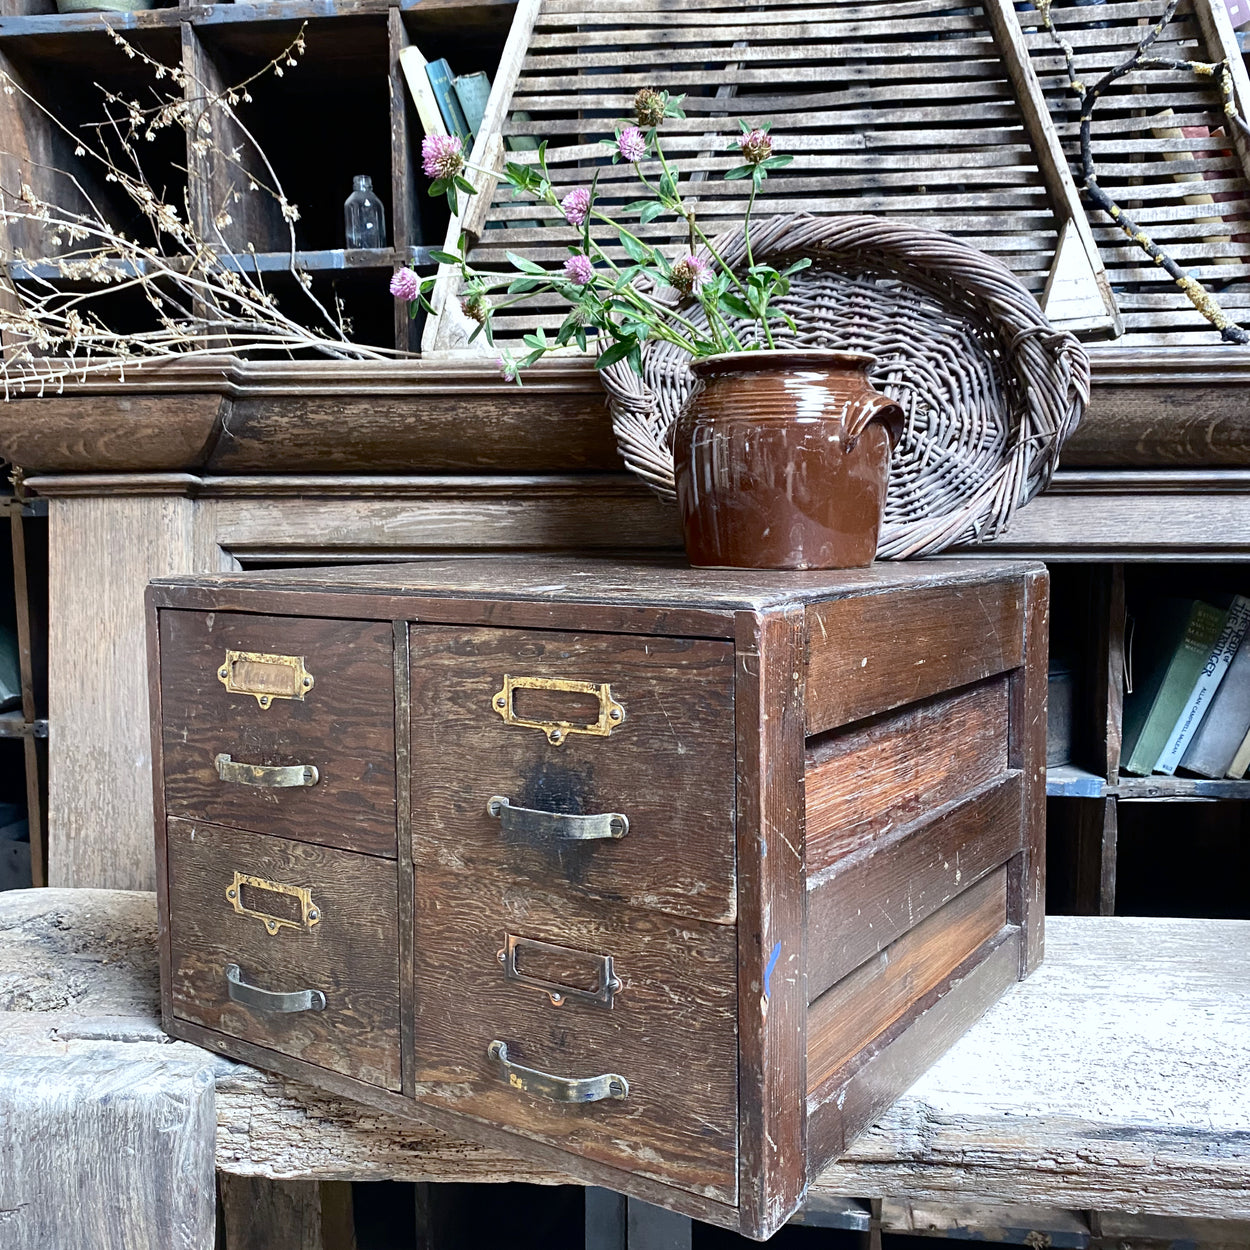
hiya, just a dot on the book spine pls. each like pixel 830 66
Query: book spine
pixel 1201 630
pixel 1220 657
pixel 413 64
pixel 439 74
pixel 473 92
pixel 1241 761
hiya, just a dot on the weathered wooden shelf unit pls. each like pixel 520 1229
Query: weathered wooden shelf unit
pixel 669 879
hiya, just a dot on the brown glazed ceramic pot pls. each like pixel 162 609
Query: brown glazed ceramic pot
pixel 781 460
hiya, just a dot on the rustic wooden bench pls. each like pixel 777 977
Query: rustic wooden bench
pixel 1112 1080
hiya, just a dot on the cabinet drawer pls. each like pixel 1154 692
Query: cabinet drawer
pixel 486 711
pixel 282 725
pixel 288 945
pixel 501 962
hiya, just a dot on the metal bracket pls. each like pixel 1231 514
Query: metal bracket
pixel 310 913
pixel 265 677
pixel 558 1088
pixel 558 826
pixel 611 713
pixel 608 984
pixel 269 776
pixel 284 1001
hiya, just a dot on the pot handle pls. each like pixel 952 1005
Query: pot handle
pixel 878 407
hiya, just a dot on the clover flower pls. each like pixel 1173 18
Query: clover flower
pixel 579 270
pixel 756 146
pixel 631 144
pixel 689 275
pixel 508 367
pixel 441 156
pixel 476 307
pixel 405 285
pixel 649 107
pixel 576 206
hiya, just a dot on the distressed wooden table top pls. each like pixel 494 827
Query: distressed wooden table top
pixel 1113 1079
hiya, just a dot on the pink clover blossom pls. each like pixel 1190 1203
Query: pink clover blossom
pixel 632 144
pixel 405 285
pixel 578 269
pixel 441 156
pixel 690 274
pixel 576 205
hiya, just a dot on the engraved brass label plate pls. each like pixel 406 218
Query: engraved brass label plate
pixel 265 677
pixel 611 713
pixel 310 913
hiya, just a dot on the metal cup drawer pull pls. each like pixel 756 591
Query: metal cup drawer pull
pixel 611 713
pixel 309 912
pixel 265 677
pixel 531 822
pixel 607 983
pixel 282 1001
pixel 279 777
pixel 558 1088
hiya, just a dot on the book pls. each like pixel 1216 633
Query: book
pixel 1170 649
pixel 1207 684
pixel 1241 761
pixel 440 78
pixel 413 65
pixel 1224 728
pixel 473 90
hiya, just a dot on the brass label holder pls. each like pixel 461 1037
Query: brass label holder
pixel 265 677
pixel 607 983
pixel 310 913
pixel 611 713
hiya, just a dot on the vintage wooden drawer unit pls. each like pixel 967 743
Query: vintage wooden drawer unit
pixel 672 879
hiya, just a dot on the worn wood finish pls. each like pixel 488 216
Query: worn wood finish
pixel 876 1077
pixel 874 653
pixel 668 768
pixel 1027 907
pixel 678 983
pixel 350 954
pixel 701 905
pixel 846 1018
pixel 869 899
pixel 343 726
pixel 867 781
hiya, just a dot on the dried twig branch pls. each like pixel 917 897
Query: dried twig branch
pixel 206 301
pixel 1089 96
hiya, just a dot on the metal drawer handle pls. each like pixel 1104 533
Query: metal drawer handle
pixel 558 1088
pixel 607 983
pixel 528 822
pixel 271 1000
pixel 280 777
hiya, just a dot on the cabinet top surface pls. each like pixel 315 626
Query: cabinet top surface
pixel 660 582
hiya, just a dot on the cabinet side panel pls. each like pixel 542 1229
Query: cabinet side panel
pixel 772 957
pixel 876 652
pixel 1027 905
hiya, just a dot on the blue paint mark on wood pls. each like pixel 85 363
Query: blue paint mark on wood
pixel 768 968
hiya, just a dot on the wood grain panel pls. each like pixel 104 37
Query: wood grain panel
pixel 872 779
pixel 668 767
pixel 848 1106
pixel 344 726
pixel 671 1032
pixel 866 901
pixel 351 954
pixel 876 652
pixel 880 991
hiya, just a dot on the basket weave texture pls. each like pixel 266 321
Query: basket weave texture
pixel 990 390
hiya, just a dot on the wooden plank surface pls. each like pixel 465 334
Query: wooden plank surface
pixel 1111 1079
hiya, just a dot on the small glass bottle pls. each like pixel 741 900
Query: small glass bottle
pixel 364 215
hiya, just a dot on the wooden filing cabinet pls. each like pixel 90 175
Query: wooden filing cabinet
pixel 673 879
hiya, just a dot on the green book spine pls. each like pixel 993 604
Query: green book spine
pixel 1183 670
pixel 439 73
pixel 473 90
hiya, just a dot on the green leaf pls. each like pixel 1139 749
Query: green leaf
pixel 803 263
pixel 438 186
pixel 635 360
pixel 634 249
pixel 444 258
pixel 758 174
pixel 746 127
pixel 738 171
pixel 637 206
pixel 776 162
pixel 465 185
pixel 581 337
pixel 736 304
pixel 522 286
pixel 525 266
pixel 650 213
pixel 668 186
pixel 413 307
pixel 452 202
pixel 618 351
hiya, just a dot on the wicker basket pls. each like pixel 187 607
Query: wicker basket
pixel 989 388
